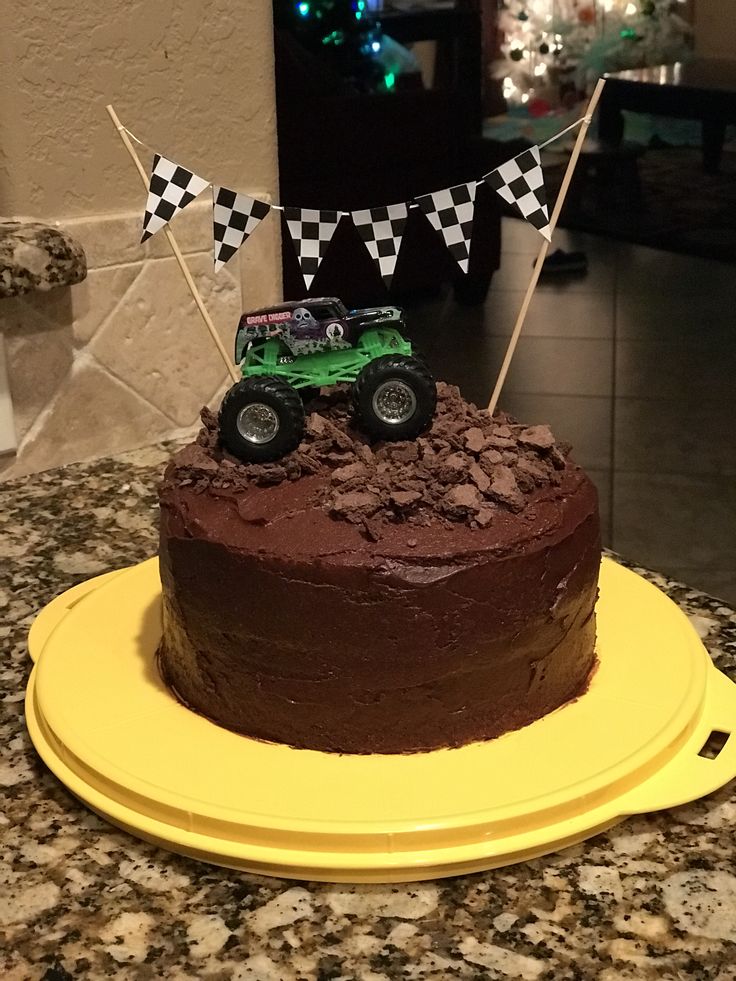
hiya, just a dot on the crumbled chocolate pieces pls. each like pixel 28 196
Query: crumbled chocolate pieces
pixel 461 501
pixel 316 424
pixel 475 439
pixel 538 437
pixel 207 435
pixel 505 490
pixel 485 516
pixel 356 505
pixel 195 457
pixel 479 477
pixel 489 459
pixel 403 499
pixel 350 472
pixel 466 468
pixel 405 452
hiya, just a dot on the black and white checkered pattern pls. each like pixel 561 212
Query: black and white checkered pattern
pixel 450 213
pixel 234 216
pixel 170 190
pixel 520 182
pixel 311 232
pixel 382 229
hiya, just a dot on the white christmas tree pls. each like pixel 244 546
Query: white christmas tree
pixel 550 43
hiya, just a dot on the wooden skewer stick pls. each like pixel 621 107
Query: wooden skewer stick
pixel 545 245
pixel 232 370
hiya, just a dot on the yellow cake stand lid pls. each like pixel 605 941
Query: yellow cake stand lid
pixel 106 725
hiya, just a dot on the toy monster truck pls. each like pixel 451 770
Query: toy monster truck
pixel 287 351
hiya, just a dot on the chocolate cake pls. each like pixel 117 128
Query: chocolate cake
pixel 384 598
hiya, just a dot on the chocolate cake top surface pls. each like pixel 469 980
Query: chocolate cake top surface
pixel 470 483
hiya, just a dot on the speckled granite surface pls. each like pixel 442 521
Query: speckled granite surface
pixel 654 898
pixel 34 256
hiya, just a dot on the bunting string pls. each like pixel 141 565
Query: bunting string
pixel 135 139
pixel 236 215
pixel 564 132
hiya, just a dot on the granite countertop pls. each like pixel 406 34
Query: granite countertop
pixel 34 256
pixel 654 898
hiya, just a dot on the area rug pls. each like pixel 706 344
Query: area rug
pixel 683 209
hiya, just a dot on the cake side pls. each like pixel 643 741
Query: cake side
pixel 383 632
pixel 383 656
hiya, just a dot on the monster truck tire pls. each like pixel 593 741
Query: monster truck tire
pixel 395 397
pixel 261 419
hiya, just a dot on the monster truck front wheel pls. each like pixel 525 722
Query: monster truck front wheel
pixel 395 397
pixel 261 419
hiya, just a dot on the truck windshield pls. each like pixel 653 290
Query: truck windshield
pixel 328 311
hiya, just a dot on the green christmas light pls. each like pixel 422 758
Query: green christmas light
pixel 390 80
pixel 343 31
pixel 628 33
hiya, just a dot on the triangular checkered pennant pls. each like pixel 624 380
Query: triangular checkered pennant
pixel 311 232
pixel 450 213
pixel 171 189
pixel 234 216
pixel 520 182
pixel 382 229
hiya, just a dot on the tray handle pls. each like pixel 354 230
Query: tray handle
pixel 692 775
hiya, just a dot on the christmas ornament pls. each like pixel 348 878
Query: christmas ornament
pixel 586 15
pixel 539 107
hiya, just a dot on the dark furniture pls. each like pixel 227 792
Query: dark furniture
pixel 457 31
pixel 704 89
pixel 611 171
pixel 346 150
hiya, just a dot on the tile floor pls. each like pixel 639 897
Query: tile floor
pixel 635 365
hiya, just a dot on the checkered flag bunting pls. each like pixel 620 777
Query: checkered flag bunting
pixel 520 182
pixel 234 216
pixel 382 229
pixel 311 232
pixel 170 190
pixel 450 213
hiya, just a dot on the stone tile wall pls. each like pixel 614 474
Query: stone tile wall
pixel 124 359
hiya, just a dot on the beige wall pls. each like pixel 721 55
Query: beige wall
pixel 122 359
pixel 715 28
pixel 195 78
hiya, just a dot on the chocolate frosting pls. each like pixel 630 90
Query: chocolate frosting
pixel 287 622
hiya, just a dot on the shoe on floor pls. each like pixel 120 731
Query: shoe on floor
pixel 560 262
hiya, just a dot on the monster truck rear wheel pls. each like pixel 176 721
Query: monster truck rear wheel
pixel 395 397
pixel 261 419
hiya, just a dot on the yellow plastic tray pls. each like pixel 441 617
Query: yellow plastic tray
pixel 104 723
